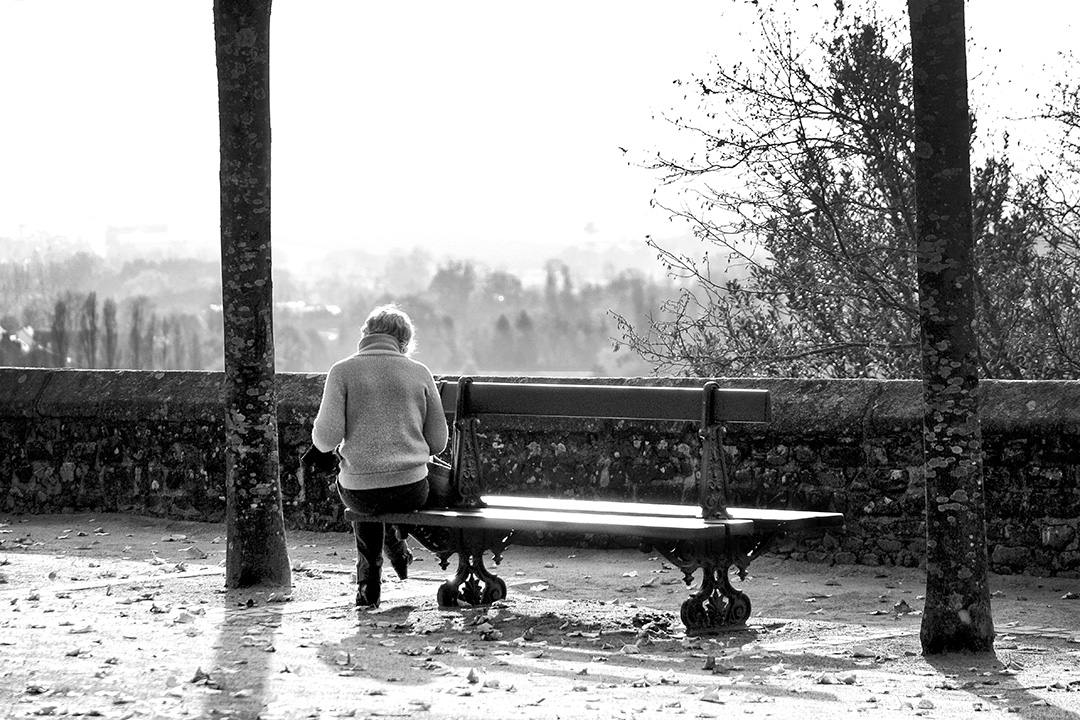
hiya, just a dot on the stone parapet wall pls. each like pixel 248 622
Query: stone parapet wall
pixel 152 442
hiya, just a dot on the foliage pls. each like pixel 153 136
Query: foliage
pixel 803 182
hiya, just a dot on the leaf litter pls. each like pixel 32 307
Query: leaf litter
pixel 520 631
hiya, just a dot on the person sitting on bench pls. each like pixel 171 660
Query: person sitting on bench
pixel 382 413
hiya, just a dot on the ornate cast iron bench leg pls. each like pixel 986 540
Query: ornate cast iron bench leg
pixel 716 605
pixel 472 583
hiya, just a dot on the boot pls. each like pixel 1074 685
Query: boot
pixel 368 593
pixel 397 551
pixel 368 536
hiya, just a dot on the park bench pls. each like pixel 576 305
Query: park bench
pixel 710 536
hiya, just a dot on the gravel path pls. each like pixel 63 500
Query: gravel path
pixel 126 617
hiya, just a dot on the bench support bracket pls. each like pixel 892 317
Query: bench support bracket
pixel 472 583
pixel 716 605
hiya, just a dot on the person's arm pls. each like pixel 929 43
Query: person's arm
pixel 435 431
pixel 329 429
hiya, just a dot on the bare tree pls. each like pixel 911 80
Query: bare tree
pixel 112 334
pixel 256 553
pixel 88 332
pixel 195 344
pixel 1059 199
pixel 176 343
pixel 61 333
pixel 802 191
pixel 150 342
pixel 957 612
pixel 136 340
pixel 165 342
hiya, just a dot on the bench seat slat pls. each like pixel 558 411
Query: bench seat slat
pixel 762 518
pixel 674 527
pixel 790 519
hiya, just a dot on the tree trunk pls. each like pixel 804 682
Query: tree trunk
pixel 256 553
pixel 957 612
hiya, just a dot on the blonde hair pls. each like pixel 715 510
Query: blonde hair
pixel 391 320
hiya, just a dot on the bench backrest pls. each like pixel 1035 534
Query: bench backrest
pixel 710 405
pixel 617 402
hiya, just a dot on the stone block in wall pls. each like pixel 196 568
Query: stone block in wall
pixel 1001 487
pixel 1011 453
pixel 893 481
pixel 777 456
pixel 1049 501
pixel 298 396
pixel 912 504
pixel 1011 558
pixel 1066 564
pixel 889 545
pixel 883 506
pixel 1058 449
pixel 844 455
pixel 902 450
pixel 829 478
pixel 894 407
pixel 875 454
pixel 1041 407
pixel 829 542
pixel 1041 476
pixel 1057 537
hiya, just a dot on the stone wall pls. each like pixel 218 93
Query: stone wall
pixel 151 442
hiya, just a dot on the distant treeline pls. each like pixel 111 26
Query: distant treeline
pixel 78 311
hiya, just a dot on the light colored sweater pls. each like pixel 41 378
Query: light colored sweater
pixel 382 412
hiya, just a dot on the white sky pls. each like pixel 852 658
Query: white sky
pixel 468 125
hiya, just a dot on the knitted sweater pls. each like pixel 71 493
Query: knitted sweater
pixel 381 411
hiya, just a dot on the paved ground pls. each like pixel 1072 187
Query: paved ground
pixel 126 617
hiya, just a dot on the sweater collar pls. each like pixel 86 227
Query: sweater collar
pixel 378 343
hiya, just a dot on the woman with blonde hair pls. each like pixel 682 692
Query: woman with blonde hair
pixel 382 414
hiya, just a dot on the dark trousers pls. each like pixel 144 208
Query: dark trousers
pixel 374 537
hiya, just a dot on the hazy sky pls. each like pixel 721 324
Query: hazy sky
pixel 468 124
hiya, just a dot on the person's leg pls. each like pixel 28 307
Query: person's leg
pixel 397 551
pixel 371 537
pixel 403 499
pixel 369 542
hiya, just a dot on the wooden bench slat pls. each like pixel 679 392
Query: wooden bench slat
pixel 790 519
pixel 560 521
pixel 763 518
pixel 592 506
pixel 619 402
